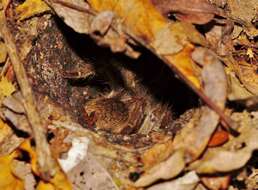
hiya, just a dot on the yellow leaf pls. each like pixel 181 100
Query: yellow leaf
pixel 184 63
pixel 3 52
pixel 8 181
pixel 250 53
pixel 58 182
pixel 26 146
pixel 45 186
pixel 5 131
pixel 31 8
pixel 6 87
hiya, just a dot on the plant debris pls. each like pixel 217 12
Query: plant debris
pixel 139 94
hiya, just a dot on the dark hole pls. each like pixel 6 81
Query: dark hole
pixel 150 69
pixel 81 173
pixel 18 132
pixel 50 136
pixel 171 16
pixel 238 184
pixel 97 33
pixel 32 142
pixel 24 156
pixel 134 176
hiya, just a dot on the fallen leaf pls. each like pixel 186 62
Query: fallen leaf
pixel 218 138
pixel 59 181
pixel 3 53
pixel 31 8
pixel 232 155
pixel 194 137
pixel 185 64
pixel 23 171
pixel 8 181
pixel 90 174
pixel 248 76
pixel 237 91
pixel 216 183
pixel 156 154
pixel 8 139
pixel 167 169
pixel 76 19
pixel 6 87
pixel 193 11
pixel 187 182
pixel 239 8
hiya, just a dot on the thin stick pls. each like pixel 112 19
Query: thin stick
pixel 47 165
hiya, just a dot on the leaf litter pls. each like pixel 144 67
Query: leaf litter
pixel 139 94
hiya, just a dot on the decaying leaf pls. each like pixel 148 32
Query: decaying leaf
pixel 248 76
pixel 239 9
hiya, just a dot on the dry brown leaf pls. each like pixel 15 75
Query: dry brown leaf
pixel 167 169
pixel 216 183
pixel 23 171
pixel 89 174
pixel 248 76
pixel 194 137
pixel 193 11
pixel 234 154
pixel 245 11
pixel 187 182
pixel 156 154
pixel 237 91
pixel 78 20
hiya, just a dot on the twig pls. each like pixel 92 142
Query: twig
pixel 47 165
